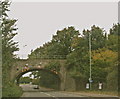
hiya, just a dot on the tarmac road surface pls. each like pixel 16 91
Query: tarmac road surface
pixel 29 91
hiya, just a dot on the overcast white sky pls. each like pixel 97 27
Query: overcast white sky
pixel 38 21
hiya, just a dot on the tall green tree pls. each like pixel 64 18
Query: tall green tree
pixel 78 62
pixel 103 61
pixel 60 45
pixel 98 37
pixel 80 56
pixel 113 38
pixel 9 30
pixel 64 38
pixel 113 45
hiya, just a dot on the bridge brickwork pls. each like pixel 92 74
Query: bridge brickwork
pixel 67 83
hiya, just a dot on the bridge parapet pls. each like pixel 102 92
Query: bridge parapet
pixel 20 65
pixel 35 62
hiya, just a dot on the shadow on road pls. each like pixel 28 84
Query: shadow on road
pixel 33 88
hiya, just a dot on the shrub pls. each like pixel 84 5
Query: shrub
pixel 11 90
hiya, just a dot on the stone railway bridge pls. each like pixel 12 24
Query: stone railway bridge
pixel 67 83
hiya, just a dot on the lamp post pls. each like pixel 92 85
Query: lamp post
pixel 39 81
pixel 90 76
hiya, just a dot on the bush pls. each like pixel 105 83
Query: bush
pixel 11 90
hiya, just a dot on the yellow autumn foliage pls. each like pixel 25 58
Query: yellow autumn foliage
pixel 105 55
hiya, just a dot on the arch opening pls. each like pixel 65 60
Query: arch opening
pixel 47 78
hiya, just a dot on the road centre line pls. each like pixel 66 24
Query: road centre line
pixel 65 94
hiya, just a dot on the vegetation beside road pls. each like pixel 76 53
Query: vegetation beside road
pixel 9 30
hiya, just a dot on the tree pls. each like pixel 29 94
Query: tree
pixel 64 39
pixel 78 60
pixel 59 46
pixel 103 60
pixel 98 37
pixel 9 30
pixel 25 80
pixel 115 30
pixel 113 38
pixel 113 44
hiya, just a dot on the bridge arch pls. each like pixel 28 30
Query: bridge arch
pixel 38 64
pixel 20 73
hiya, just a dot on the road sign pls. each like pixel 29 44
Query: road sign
pixel 90 80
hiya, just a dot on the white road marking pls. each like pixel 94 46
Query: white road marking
pixel 49 95
pixel 69 94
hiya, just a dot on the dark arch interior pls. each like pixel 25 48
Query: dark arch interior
pixel 19 75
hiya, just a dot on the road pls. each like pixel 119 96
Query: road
pixel 49 94
pixel 29 91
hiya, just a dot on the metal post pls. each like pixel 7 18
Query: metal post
pixel 90 59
